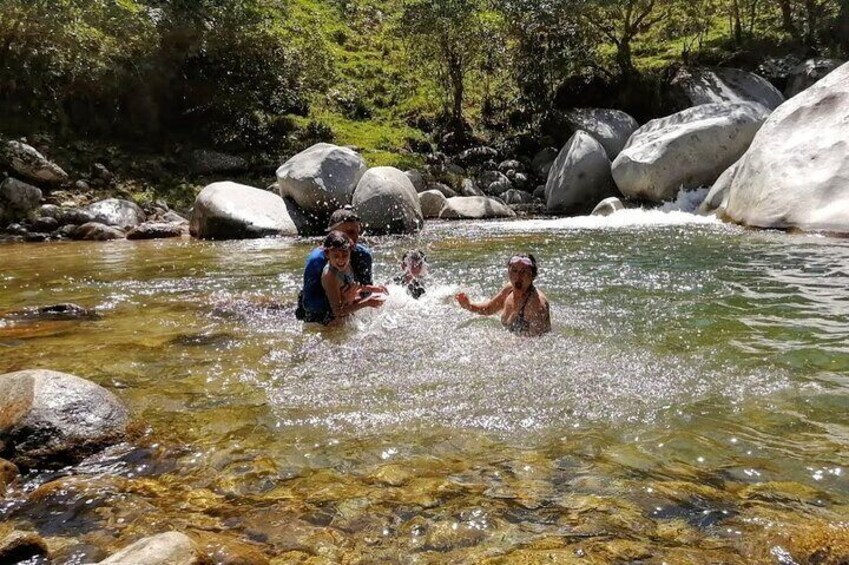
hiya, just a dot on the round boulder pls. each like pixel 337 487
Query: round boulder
pixel 95 231
pixel 431 202
pixel 724 84
pixel 686 150
pixel 607 207
pixel 28 162
pixel 611 128
pixel 580 176
pixel 116 212
pixel 322 178
pixel 474 208
pixel 18 198
pixel 795 173
pixel 228 210
pixel 49 418
pixel 807 73
pixel 387 202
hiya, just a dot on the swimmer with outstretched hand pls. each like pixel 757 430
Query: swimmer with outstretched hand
pixel 524 308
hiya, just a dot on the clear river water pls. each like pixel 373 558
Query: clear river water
pixel 691 404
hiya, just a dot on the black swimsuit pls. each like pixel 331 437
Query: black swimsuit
pixel 520 325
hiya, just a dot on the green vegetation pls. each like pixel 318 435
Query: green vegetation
pixel 266 78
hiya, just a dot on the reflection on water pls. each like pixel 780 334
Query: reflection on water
pixel 688 406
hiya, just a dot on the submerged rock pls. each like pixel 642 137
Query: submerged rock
pixel 227 210
pixel 48 418
pixel 474 208
pixel 686 150
pixel 172 548
pixel 796 172
pixel 64 311
pixel 19 547
pixel 579 177
pixel 322 178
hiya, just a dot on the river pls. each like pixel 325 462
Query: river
pixel 689 406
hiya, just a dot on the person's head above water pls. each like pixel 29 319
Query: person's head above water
pixel 346 221
pixel 337 249
pixel 414 262
pixel 522 270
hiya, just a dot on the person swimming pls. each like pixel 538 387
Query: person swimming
pixel 413 271
pixel 524 308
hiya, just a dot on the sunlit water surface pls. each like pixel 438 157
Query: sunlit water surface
pixel 689 406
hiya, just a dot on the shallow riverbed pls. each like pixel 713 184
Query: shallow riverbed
pixel 690 405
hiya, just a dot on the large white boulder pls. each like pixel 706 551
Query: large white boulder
pixel 611 128
pixel 49 418
pixel 322 178
pixel 387 202
pixel 431 202
pixel 796 172
pixel 724 84
pixel 228 210
pixel 474 208
pixel 580 176
pixel 686 150
pixel 807 73
pixel 30 163
pixel 719 191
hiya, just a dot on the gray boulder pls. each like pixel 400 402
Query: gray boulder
pixel 18 198
pixel 446 190
pixel 468 187
pixel 49 418
pixel 510 165
pixel 724 84
pixel 796 172
pixel 321 179
pixel 514 196
pixel 543 161
pixel 719 191
pixel 477 155
pixel 115 212
pixel 494 183
pixel 431 202
pixel 387 202
pixel 95 231
pixel 474 208
pixel 28 162
pixel 228 210
pixel 607 207
pixel 172 548
pixel 580 176
pixel 611 128
pixel 205 162
pixel 418 180
pixel 807 73
pixel 156 230
pixel 686 150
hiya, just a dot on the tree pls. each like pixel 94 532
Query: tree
pixel 447 35
pixel 621 21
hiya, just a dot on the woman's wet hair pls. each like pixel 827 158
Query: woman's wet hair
pixel 524 258
pixel 337 240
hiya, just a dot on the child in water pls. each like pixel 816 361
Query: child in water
pixel 413 271
pixel 344 294
pixel 524 309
